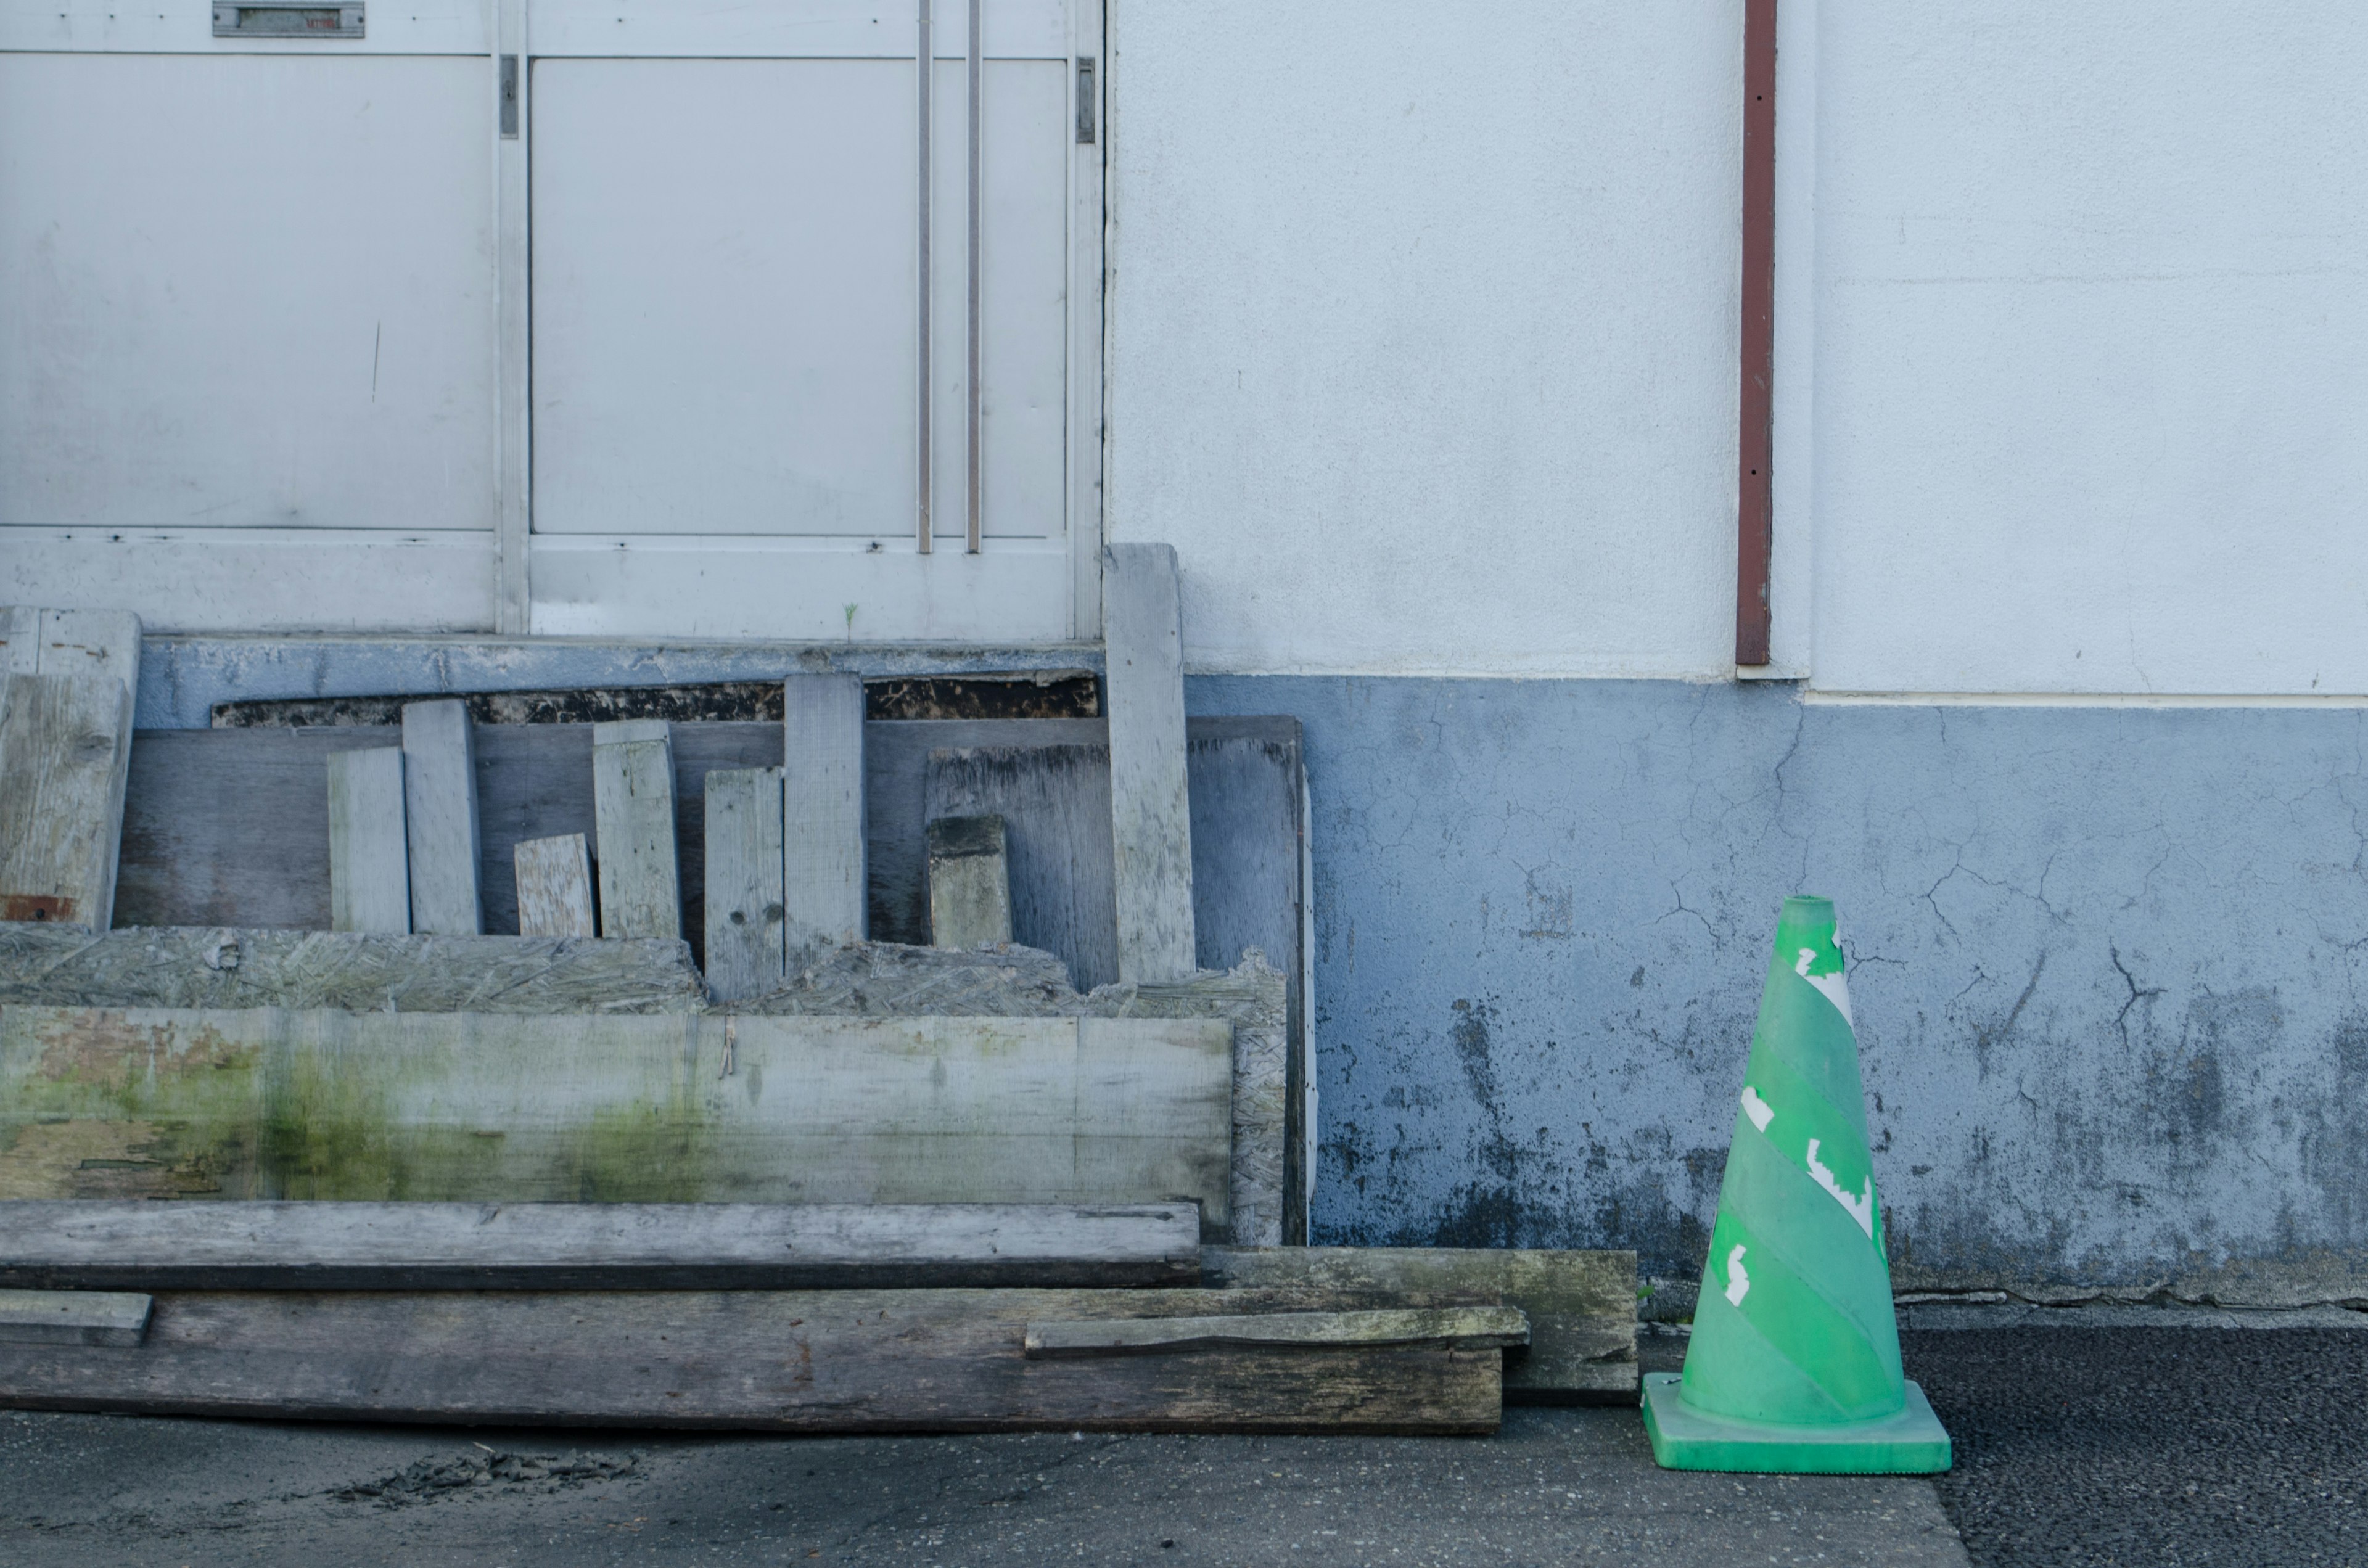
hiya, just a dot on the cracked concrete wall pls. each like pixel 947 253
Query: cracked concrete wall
pixel 2105 964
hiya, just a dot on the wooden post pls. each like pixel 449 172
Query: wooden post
pixel 745 956
pixel 61 811
pixel 554 887
pixel 1150 815
pixel 970 883
pixel 824 884
pixel 632 814
pixel 370 877
pixel 440 799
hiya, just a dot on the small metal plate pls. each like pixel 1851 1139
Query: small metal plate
pixel 287 19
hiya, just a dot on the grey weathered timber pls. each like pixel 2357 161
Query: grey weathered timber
pixel 440 800
pixel 369 876
pixel 64 749
pixel 34 641
pixel 72 1317
pixel 790 1361
pixel 554 886
pixel 98 1245
pixel 1151 823
pixel 1581 1306
pixel 744 895
pixel 970 889
pixel 822 806
pixel 1468 1328
pixel 219 966
pixel 632 804
pixel 475 1108
pixel 1053 801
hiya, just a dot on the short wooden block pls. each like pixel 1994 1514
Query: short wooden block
pixel 633 807
pixel 970 883
pixel 439 796
pixel 370 872
pixel 744 911
pixel 1151 817
pixel 554 886
pixel 72 1317
pixel 822 807
pixel 64 745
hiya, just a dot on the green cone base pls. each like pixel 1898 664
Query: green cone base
pixel 1911 1443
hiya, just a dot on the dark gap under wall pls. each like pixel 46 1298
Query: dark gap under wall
pixel 1026 694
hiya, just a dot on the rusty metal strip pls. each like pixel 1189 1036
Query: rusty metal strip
pixel 1754 508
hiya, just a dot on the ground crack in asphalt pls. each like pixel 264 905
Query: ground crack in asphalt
pixel 438 1477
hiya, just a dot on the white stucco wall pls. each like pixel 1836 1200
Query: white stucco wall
pixel 1422 336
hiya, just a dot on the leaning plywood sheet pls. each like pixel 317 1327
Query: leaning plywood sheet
pixel 85 1243
pixel 785 1361
pixel 466 1106
pixel 196 966
pixel 1581 1306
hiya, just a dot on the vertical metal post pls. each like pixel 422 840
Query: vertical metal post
pixel 1754 496
pixel 926 60
pixel 976 56
pixel 513 419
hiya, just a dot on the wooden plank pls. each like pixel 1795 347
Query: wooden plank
pixel 1054 804
pixel 64 749
pixel 477 1107
pixel 34 641
pixel 822 806
pixel 72 1317
pixel 1469 1328
pixel 370 877
pixel 1581 1306
pixel 101 1244
pixel 744 897
pixel 632 805
pixel 1150 804
pixel 786 1361
pixel 970 886
pixel 440 800
pixel 554 886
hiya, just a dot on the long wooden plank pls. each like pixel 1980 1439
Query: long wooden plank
pixel 632 804
pixel 440 799
pixel 1581 1306
pixel 744 895
pixel 100 1244
pixel 787 1361
pixel 554 886
pixel 64 745
pixel 822 806
pixel 72 1317
pixel 970 883
pixel 1469 1328
pixel 370 875
pixel 475 1108
pixel 1151 819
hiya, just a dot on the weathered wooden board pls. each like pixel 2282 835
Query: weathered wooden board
pixel 218 966
pixel 99 1244
pixel 1053 801
pixel 370 875
pixel 473 1107
pixel 822 794
pixel 1469 1328
pixel 64 751
pixel 744 896
pixel 440 800
pixel 970 888
pixel 34 641
pixel 790 1361
pixel 72 1317
pixel 633 810
pixel 554 886
pixel 1581 1306
pixel 1151 834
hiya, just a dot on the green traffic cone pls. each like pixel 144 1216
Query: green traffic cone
pixel 1794 1366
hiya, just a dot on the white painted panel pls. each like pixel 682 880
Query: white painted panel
pixel 258 579
pixel 798 590
pixel 185 26
pixel 245 292
pixel 2092 349
pixel 843 29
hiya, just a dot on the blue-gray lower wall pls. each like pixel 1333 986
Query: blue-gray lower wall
pixel 2104 961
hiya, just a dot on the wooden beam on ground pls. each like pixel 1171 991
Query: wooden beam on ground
pixel 1581 1306
pixel 476 1108
pixel 72 1317
pixel 781 1361
pixel 1151 818
pixel 369 874
pixel 440 799
pixel 632 805
pixel 99 1244
pixel 970 883
pixel 1467 1328
pixel 822 806
pixel 554 886
pixel 744 894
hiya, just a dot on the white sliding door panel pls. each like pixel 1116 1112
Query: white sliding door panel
pixel 249 291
